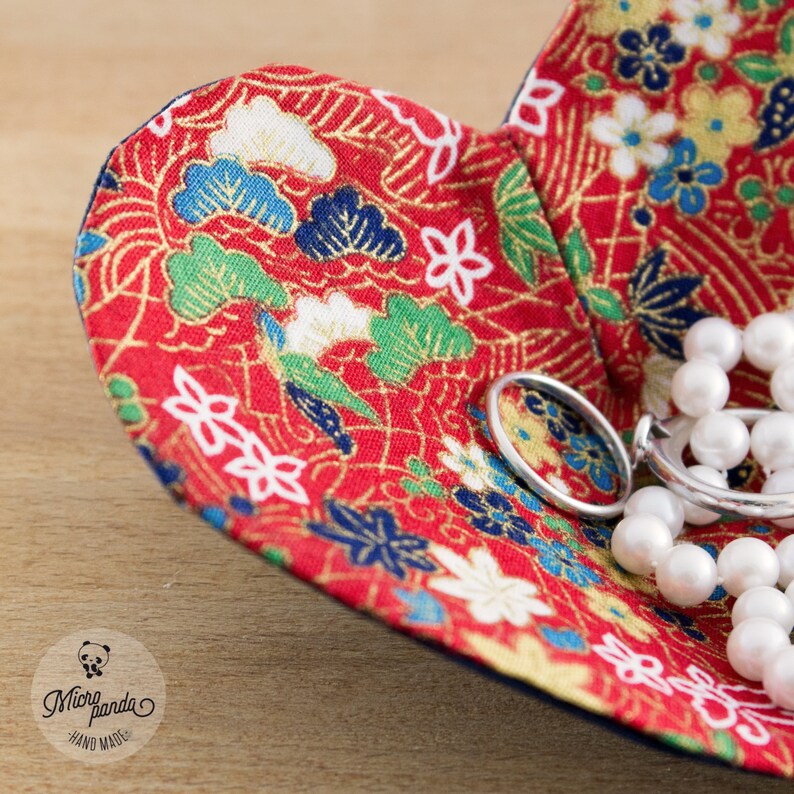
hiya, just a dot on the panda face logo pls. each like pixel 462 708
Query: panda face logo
pixel 93 657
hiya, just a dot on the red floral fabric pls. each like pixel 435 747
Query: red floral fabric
pixel 297 289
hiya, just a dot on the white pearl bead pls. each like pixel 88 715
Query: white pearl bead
pixel 699 516
pixel 752 643
pixel 764 602
pixel 785 556
pixel 769 340
pixel 659 502
pixel 790 592
pixel 772 441
pixel 746 563
pixel 700 387
pixel 639 541
pixel 686 575
pixel 779 678
pixel 716 340
pixel 781 481
pixel 782 385
pixel 720 440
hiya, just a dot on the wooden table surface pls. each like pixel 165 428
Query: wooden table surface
pixel 271 686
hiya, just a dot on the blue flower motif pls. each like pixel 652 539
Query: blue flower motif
pixel 559 560
pixel 564 639
pixel 560 419
pixel 493 514
pixel 590 453
pixel 683 178
pixel 215 516
pixel 242 505
pixel 373 538
pixel 226 185
pixel 759 529
pixel 683 622
pixel 599 535
pixel 425 608
pixel 660 304
pixel 507 483
pixel 648 56
pixel 342 224
pixel 171 475
pixel 479 415
pixel 719 591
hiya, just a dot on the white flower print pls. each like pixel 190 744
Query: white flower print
pixel 267 474
pixel 530 111
pixel 444 145
pixel 632 133
pixel 705 23
pixel 453 261
pixel 469 462
pixel 321 324
pixel 737 708
pixel 161 124
pixel 633 668
pixel 210 417
pixel 492 596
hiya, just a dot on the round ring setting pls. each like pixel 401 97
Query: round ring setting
pixel 661 442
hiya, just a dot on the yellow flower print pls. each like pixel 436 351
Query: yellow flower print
pixel 529 662
pixel 610 16
pixel 616 611
pixel 717 122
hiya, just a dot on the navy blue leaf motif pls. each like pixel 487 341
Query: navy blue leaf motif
pixel 342 224
pixel 323 415
pixel 425 608
pixel 661 304
pixel 777 116
pixel 373 538
pixel 171 475
pixel 109 180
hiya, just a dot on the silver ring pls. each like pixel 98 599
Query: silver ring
pixel 661 443
pixel 584 408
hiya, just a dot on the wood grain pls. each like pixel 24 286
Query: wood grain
pixel 271 686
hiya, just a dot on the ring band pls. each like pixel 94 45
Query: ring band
pixel 658 442
pixel 584 408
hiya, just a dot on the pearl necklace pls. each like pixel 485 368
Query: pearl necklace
pixel 759 646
